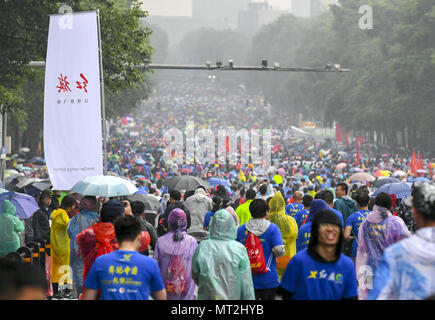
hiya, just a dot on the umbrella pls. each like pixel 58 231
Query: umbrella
pixel 382 173
pixel 421 179
pixel 25 204
pixel 400 189
pixel 139 161
pixel 340 166
pixel 185 183
pixel 10 172
pixel 31 181
pixel 38 161
pixel 213 181
pixel 422 171
pixel 151 203
pixel 12 181
pixel 380 182
pixel 104 186
pixel 399 173
pixel 24 149
pixel 362 177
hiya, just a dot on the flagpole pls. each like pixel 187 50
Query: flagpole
pixel 103 106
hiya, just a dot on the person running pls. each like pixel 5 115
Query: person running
pixel 243 213
pixel 125 274
pixel 87 216
pixel 174 202
pixel 60 247
pixel 303 216
pixel 304 233
pixel 220 264
pixel 288 228
pixel 321 272
pixel 138 210
pixel 294 209
pixel 345 204
pixel 272 245
pixel 356 219
pixel 328 197
pixel 198 205
pixel 407 268
pixel 378 231
pixel 173 254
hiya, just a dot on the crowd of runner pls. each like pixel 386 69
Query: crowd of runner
pixel 302 228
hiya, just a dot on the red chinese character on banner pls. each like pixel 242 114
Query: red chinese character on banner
pixel 84 83
pixel 63 85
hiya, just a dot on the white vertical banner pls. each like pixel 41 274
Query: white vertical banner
pixel 72 104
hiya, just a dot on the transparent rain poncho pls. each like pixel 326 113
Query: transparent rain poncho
pixel 288 228
pixel 173 253
pixel 10 226
pixel 380 230
pixel 220 265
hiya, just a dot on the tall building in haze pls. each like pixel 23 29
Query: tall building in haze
pixel 226 11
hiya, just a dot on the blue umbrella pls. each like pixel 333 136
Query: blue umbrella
pixel 380 182
pixel 215 181
pixel 400 189
pixel 25 204
pixel 421 179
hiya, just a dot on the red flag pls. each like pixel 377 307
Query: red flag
pixel 413 164
pixel 419 163
pixel 227 143
pixel 358 157
pixel 276 148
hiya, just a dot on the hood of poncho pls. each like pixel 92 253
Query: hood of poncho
pixel 257 226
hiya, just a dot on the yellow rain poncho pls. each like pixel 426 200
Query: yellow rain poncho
pixel 59 241
pixel 243 213
pixel 289 231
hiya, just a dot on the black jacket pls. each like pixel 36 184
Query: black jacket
pixel 41 224
pixel 162 226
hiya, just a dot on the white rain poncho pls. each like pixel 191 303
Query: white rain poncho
pixel 220 265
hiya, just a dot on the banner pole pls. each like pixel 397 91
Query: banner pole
pixel 103 106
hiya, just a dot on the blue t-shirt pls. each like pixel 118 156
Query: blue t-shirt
pixel 292 209
pixel 302 215
pixel 309 279
pixel 207 218
pixel 124 275
pixel 269 239
pixel 304 235
pixel 355 220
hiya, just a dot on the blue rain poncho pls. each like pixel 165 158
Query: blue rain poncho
pixel 10 225
pixel 77 224
pixel 220 265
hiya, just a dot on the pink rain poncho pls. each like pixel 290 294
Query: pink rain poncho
pixel 173 253
pixel 380 230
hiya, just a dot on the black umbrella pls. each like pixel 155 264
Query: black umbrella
pixel 33 186
pixel 12 181
pixel 380 182
pixel 151 203
pixel 184 182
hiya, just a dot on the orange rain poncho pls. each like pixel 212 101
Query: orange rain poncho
pixel 289 231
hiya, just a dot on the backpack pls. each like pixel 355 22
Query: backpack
pixel 255 254
pixel 176 277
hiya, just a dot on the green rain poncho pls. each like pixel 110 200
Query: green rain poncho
pixel 10 225
pixel 220 265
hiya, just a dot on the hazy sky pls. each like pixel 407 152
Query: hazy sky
pixel 184 7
